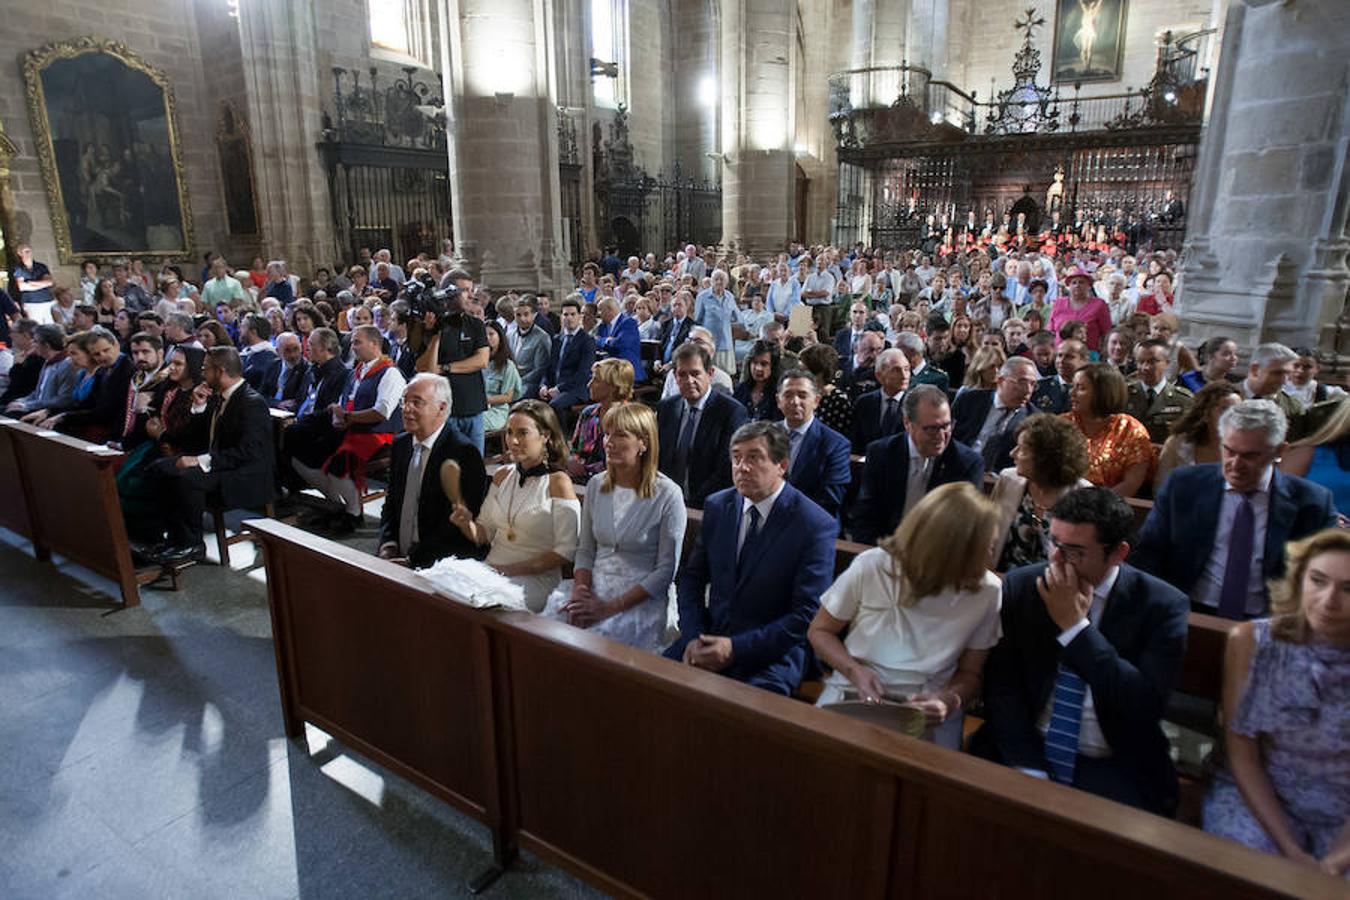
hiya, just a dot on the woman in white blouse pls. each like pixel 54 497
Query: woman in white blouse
pixel 922 609
pixel 531 515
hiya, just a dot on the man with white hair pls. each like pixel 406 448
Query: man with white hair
pixel 920 372
pixel 1270 368
pixel 692 265
pixel 430 470
pixel 395 270
pixel 1218 531
pixel 634 271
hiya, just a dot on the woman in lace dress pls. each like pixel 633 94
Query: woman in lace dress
pixel 632 529
pixel 1285 785
pixel 531 515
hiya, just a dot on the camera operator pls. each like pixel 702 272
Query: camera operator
pixel 461 357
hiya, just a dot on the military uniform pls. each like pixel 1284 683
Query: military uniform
pixel 1158 414
pixel 1293 410
pixel 1051 396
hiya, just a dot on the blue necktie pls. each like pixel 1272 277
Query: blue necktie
pixel 1066 718
pixel 750 535
pixel 562 351
pixel 1237 571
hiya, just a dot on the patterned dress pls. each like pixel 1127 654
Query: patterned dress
pixel 1027 537
pixel 1297 705
pixel 1122 444
pixel 588 440
pixel 835 411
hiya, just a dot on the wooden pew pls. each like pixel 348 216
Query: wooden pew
pixel 72 485
pixel 14 501
pixel 649 778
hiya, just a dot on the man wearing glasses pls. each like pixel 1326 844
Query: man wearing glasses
pixel 903 467
pixel 1076 689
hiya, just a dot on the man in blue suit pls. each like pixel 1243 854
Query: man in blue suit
pixel 1076 689
pixel 617 336
pixel 695 428
pixel 902 468
pixel 818 463
pixel 859 323
pixel 569 365
pixel 1217 532
pixel 763 558
pixel 987 418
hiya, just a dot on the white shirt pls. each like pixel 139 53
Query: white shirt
pixel 390 391
pixel 1307 395
pixel 819 281
pixel 204 459
pixel 1091 741
pixel 796 445
pixel 914 648
pixel 1209 586
pixel 764 506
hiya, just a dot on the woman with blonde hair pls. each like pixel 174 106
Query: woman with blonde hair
pixel 632 530
pixel 922 612
pixel 1285 785
pixel 611 382
pixel 531 515
pixel 982 373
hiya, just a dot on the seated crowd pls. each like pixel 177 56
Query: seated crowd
pixel 986 428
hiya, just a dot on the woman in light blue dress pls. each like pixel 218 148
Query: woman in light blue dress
pixel 632 529
pixel 1285 785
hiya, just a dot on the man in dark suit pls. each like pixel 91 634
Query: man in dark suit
pixel 1218 532
pixel 569 366
pixel 287 380
pixel 902 468
pixel 675 330
pixel 256 354
pixel 753 581
pixel 1091 650
pixel 858 370
pixel 102 413
pixel 987 418
pixel 617 336
pixel 415 521
pixel 695 427
pixel 877 414
pixel 859 324
pixel 818 463
pixel 1052 394
pixel 237 464
pixel 312 437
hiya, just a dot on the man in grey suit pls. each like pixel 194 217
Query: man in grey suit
pixel 530 345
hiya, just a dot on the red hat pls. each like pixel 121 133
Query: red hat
pixel 1077 272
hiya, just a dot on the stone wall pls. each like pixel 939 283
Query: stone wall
pixel 982 40
pixel 161 32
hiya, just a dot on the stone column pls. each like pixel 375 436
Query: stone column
pixel 1267 245
pixel 503 145
pixel 758 111
pixel 281 76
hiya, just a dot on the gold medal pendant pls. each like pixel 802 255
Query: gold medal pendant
pixel 510 534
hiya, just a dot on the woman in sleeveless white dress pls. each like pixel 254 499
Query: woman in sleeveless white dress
pixel 531 515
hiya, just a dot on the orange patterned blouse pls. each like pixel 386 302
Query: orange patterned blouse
pixel 1122 445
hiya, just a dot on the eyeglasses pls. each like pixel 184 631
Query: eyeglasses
pixel 1072 553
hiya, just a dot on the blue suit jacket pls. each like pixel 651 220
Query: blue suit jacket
pixel 1130 659
pixel 571 373
pixel 620 339
pixel 763 605
pixel 821 470
pixel 1177 538
pixel 885 482
pixel 1050 396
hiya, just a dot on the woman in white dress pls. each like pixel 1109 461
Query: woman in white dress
pixel 922 610
pixel 632 529
pixel 531 515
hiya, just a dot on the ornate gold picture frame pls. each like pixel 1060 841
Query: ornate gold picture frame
pixel 106 130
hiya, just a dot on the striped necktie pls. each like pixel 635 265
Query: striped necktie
pixel 1066 718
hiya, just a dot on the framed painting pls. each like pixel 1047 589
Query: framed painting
pixel 1089 40
pixel 107 139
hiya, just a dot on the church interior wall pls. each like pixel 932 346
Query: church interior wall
pixel 163 33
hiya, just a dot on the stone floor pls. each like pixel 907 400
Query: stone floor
pixel 144 757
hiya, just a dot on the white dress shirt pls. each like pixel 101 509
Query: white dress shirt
pixel 1209 586
pixel 1091 741
pixel 417 462
pixel 764 506
pixel 204 459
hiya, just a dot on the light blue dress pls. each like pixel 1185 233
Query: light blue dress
pixel 627 540
pixel 1297 705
